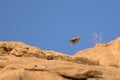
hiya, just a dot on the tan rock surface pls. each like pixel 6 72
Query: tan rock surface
pixel 104 54
pixel 19 61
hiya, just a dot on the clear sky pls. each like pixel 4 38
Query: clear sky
pixel 49 24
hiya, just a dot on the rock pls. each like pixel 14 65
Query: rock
pixel 19 61
pixel 20 49
pixel 27 67
pixel 105 54
pixel 28 75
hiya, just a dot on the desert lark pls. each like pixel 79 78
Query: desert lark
pixel 74 40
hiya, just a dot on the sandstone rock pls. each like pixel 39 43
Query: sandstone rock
pixel 19 61
pixel 104 54
pixel 20 49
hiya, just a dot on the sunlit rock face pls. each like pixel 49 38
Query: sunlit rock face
pixel 19 61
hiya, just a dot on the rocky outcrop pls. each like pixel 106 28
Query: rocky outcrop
pixel 32 68
pixel 19 61
pixel 105 54
pixel 20 49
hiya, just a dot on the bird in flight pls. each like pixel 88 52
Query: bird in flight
pixel 74 40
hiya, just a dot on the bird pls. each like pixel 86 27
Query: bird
pixel 74 40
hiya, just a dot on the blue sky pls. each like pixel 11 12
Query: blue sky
pixel 49 24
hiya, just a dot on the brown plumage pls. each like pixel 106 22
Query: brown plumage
pixel 74 40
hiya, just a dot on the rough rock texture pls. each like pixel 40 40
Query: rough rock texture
pixel 19 61
pixel 20 49
pixel 104 54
